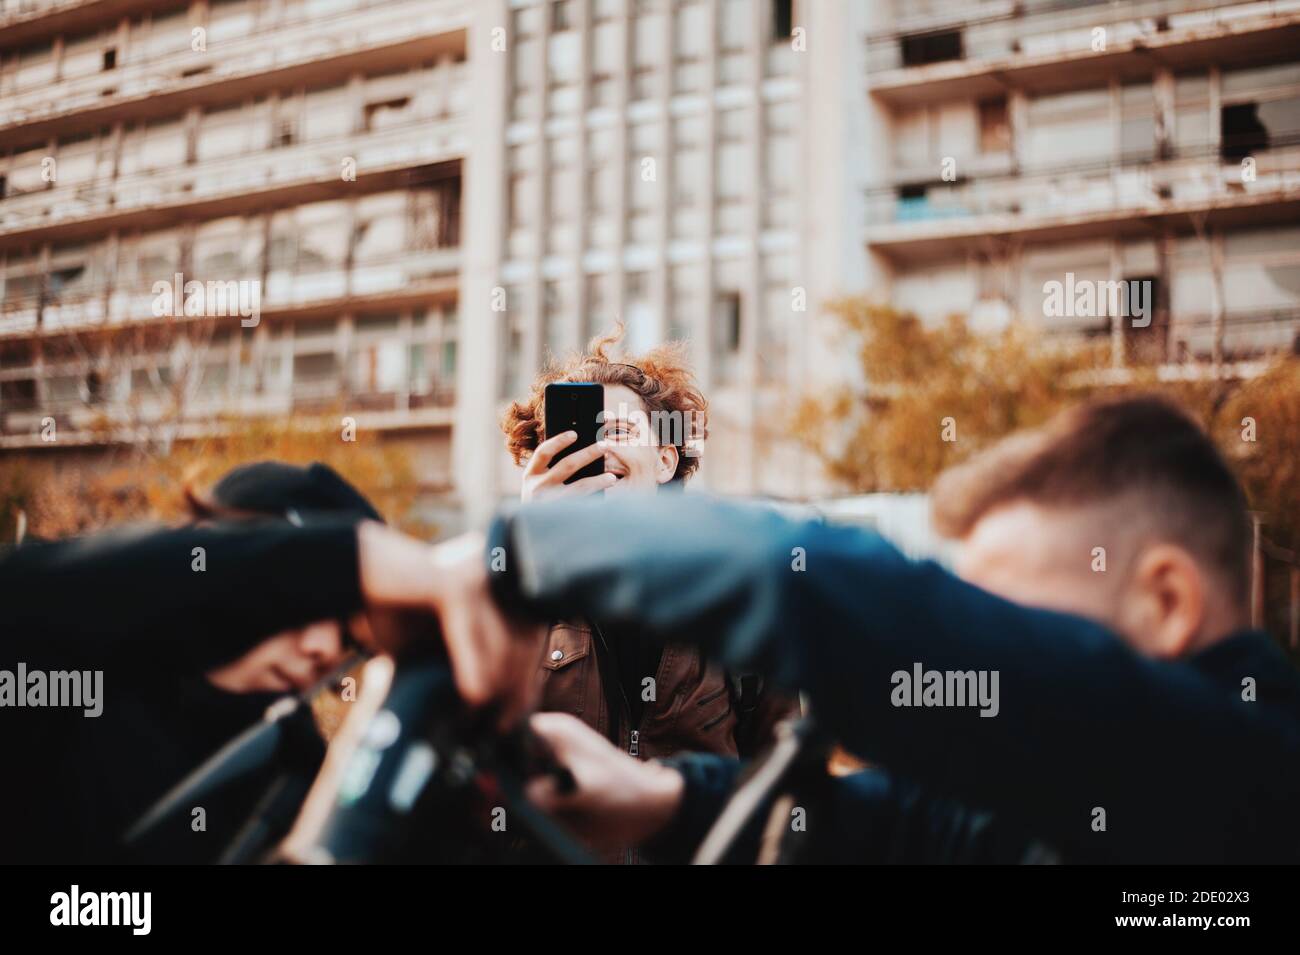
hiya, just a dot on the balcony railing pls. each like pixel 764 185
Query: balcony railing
pixel 986 31
pixel 1247 334
pixel 11 10
pixel 417 143
pixel 272 48
pixel 106 304
pixel 1079 189
pixel 204 413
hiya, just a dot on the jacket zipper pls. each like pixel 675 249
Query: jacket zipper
pixel 634 737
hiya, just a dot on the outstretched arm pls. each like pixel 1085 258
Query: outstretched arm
pixel 1083 723
pixel 198 596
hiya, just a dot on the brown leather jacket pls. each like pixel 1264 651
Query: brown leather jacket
pixel 696 707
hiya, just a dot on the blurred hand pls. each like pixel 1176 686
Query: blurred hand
pixel 617 800
pixel 543 481
pixel 494 657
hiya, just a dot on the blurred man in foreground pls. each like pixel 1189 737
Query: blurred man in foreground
pixel 1153 726
pixel 193 601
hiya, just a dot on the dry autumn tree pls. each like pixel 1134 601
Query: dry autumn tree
pixel 921 383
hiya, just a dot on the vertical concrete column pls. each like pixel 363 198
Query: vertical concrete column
pixel 344 333
pixel 1018 120
pixel 575 318
pixel 406 338
pixel 618 293
pixel 57 53
pixel 752 298
pixel 1166 114
pixel 660 298
pixel 1116 321
pixel 534 344
pixel 480 330
pixel 703 333
pixel 1216 105
pixel 845 148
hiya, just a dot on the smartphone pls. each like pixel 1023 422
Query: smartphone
pixel 576 406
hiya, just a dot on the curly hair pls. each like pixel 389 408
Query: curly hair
pixel 661 377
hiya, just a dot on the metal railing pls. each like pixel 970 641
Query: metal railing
pixel 275 47
pixel 418 142
pixel 1135 181
pixel 998 28
pixel 112 303
pixel 11 10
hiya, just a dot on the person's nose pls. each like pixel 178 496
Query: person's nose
pixel 322 641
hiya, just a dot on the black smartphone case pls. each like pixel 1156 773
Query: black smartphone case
pixel 576 406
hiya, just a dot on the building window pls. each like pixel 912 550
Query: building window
pixel 315 374
pixel 1243 132
pixel 924 48
pixel 18 394
pixel 599 317
pixel 1137 130
pixel 82 55
pixel 726 314
pixel 384 114
pixel 563 16
pixel 512 339
pixel 558 304
pixel 638 311
pixel 782 20
pixel 995 129
pixel 1141 298
pixel 686 301
pixel 284 133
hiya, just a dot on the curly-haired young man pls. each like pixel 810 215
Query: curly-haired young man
pixel 649 698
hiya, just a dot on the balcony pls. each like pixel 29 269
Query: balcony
pixel 971 51
pixel 934 221
pixel 1247 335
pixel 82 425
pixel 416 276
pixel 319 49
pixel 392 369
pixel 234 184
pixel 24 20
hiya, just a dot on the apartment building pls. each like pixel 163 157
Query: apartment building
pixel 434 197
pixel 1036 142
pixel 685 167
pixel 306 155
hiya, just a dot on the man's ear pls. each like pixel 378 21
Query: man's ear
pixel 667 466
pixel 1165 607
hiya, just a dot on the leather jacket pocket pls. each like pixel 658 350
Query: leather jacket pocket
pixel 565 670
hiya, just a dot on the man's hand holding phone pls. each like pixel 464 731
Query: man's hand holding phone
pixel 541 480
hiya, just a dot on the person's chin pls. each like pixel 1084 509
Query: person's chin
pixel 626 486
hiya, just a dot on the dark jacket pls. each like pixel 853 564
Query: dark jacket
pixel 875 817
pixel 596 673
pixel 1185 770
pixel 696 706
pixel 131 605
